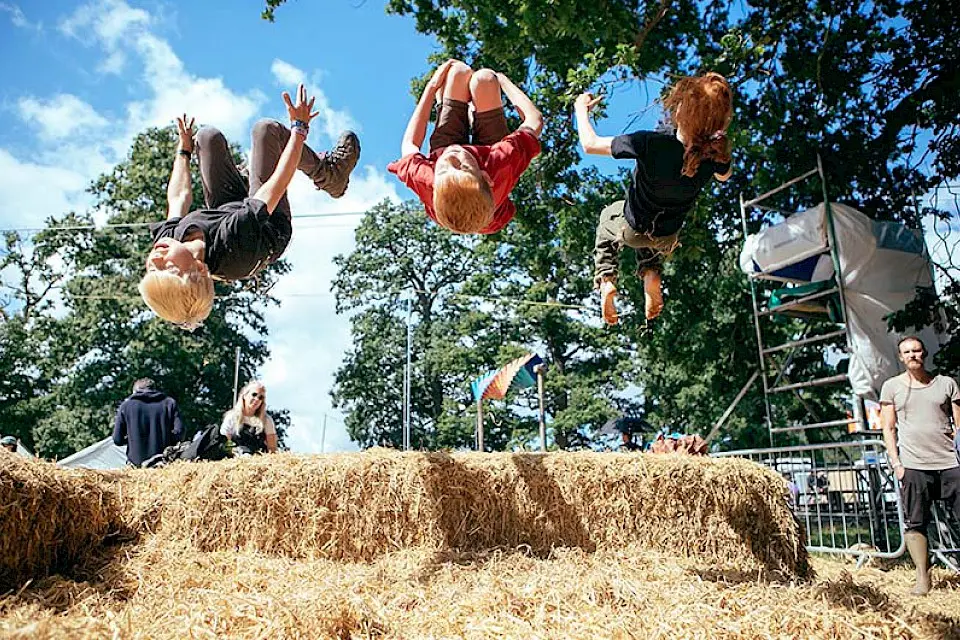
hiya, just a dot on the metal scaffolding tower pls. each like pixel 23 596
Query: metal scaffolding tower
pixel 774 374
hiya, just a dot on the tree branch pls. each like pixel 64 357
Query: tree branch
pixel 642 36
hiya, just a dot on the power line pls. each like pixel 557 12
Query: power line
pixel 135 225
pixel 505 299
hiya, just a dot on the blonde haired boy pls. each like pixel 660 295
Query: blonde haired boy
pixel 246 224
pixel 466 187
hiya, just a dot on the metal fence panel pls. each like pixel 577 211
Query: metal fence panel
pixel 845 494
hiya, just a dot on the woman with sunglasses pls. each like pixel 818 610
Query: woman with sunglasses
pixel 247 424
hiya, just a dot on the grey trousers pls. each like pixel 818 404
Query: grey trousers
pixel 613 233
pixel 223 182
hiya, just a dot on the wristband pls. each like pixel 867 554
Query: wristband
pixel 300 127
pixel 184 152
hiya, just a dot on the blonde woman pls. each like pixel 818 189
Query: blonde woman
pixel 247 424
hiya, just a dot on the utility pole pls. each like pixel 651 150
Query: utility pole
pixel 480 423
pixel 539 370
pixel 236 374
pixel 408 376
pixel 323 435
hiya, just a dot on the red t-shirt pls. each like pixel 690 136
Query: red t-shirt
pixel 505 161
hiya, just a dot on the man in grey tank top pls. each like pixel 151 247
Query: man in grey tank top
pixel 916 411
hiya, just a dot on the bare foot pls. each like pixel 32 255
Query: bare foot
pixel 922 587
pixel 608 300
pixel 652 293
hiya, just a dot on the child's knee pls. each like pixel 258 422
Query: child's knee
pixel 459 75
pixel 460 69
pixel 265 128
pixel 484 80
pixel 208 135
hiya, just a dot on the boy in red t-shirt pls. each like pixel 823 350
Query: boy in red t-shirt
pixel 466 187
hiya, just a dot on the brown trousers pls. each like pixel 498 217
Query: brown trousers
pixel 453 125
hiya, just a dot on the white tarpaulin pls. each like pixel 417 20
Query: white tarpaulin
pixel 100 455
pixel 883 264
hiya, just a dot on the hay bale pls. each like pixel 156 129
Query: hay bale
pixel 50 518
pixel 161 590
pixel 362 506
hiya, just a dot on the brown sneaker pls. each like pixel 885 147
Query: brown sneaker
pixel 334 174
pixel 608 300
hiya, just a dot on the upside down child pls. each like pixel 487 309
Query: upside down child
pixel 474 161
pixel 246 224
pixel 670 172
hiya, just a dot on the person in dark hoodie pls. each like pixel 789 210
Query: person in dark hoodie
pixel 147 422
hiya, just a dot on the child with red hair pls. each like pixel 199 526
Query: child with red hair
pixel 671 170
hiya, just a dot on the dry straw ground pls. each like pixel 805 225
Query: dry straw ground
pixel 562 546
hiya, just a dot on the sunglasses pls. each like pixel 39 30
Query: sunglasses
pixel 256 396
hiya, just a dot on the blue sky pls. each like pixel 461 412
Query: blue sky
pixel 82 78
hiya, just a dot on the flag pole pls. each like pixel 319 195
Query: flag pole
pixel 543 425
pixel 480 423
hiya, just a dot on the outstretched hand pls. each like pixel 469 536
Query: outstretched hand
pixel 185 131
pixel 302 110
pixel 587 101
pixel 440 75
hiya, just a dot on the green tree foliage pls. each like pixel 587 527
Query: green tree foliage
pixel 870 87
pixel 468 316
pixel 76 333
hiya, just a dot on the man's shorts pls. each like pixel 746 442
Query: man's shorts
pixel 453 125
pixel 920 488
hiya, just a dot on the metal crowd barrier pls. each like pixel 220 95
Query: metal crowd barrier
pixel 845 494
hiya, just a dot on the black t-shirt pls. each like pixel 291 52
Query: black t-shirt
pixel 659 196
pixel 241 237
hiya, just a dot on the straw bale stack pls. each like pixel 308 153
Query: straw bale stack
pixel 362 506
pixel 50 518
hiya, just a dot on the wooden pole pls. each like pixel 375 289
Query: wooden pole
pixel 480 424
pixel 543 425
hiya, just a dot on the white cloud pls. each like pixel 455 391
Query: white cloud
pixel 107 21
pixel 122 32
pixel 18 18
pixel 33 192
pixel 61 116
pixel 113 64
pixel 332 121
pixel 307 339
pixel 287 74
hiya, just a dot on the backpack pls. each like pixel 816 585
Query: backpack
pixel 207 445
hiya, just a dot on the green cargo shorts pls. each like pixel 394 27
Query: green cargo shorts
pixel 613 233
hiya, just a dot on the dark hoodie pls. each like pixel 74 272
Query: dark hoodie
pixel 147 422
